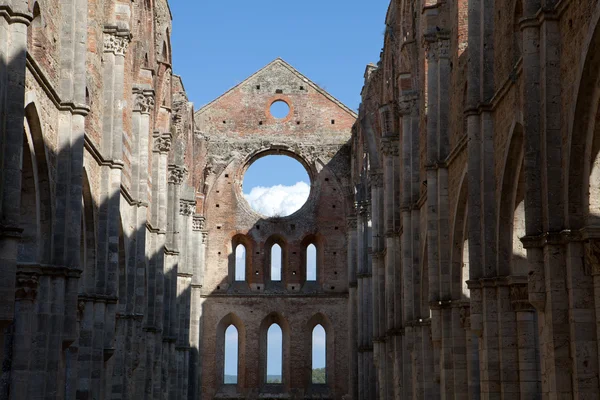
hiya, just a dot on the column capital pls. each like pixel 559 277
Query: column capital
pixel 390 146
pixel 162 142
pixel 187 208
pixel 26 287
pixel 387 115
pixel 198 223
pixel 407 104
pixel 144 101
pixel 437 46
pixel 376 179
pixel 177 174
pixel 519 297
pixel 116 41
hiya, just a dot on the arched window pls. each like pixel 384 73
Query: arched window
pixel 276 262
pixel 230 370
pixel 240 263
pixel 274 355
pixel 319 355
pixel 311 262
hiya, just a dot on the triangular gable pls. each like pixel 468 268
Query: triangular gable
pixel 294 71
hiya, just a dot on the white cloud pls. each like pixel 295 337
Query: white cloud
pixel 278 200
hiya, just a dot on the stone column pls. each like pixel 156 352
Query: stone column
pixel 156 245
pixel 366 383
pixel 390 160
pixel 527 341
pixel 410 231
pixel 352 307
pixel 379 295
pixel 197 257
pixel 23 330
pixel 14 20
pixel 460 378
pixel 183 300
pixel 472 354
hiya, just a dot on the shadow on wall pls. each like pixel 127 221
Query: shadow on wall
pixel 99 312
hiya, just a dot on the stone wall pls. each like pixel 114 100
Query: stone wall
pixel 98 248
pixel 238 129
pixel 485 285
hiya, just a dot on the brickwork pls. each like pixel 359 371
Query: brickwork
pixel 491 280
pixel 455 217
pixel 239 129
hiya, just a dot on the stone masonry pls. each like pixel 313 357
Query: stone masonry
pixel 456 217
pixel 475 164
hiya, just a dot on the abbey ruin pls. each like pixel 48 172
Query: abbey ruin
pixel 454 220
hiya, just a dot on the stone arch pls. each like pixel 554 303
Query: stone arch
pixel 511 218
pixel 459 241
pixel 319 242
pixel 270 242
pixel 370 141
pixel 88 237
pixel 325 322
pixel 583 142
pixel 274 318
pixel 166 49
pixel 224 323
pixel 248 244
pixel 35 244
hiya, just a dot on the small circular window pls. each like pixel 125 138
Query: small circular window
pixel 279 109
pixel 276 186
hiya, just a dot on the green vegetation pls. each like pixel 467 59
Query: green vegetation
pixel 319 376
pixel 274 379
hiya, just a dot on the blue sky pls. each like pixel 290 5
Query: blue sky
pixel 276 186
pixel 218 44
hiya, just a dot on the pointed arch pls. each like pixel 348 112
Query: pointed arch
pixel 88 238
pixel 584 136
pixel 322 320
pixel 312 258
pixel 230 319
pixel 36 197
pixel 277 319
pixel 276 259
pixel 240 260
pixel 511 217
pixel 460 264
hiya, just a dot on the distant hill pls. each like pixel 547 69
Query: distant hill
pixel 274 379
pixel 319 376
pixel 233 379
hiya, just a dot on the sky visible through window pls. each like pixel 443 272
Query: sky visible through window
pixel 276 186
pixel 218 44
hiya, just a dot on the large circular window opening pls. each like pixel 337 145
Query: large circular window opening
pixel 276 186
pixel 280 109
